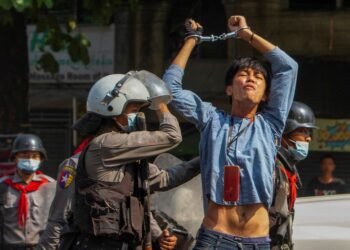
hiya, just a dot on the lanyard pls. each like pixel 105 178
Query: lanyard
pixel 233 139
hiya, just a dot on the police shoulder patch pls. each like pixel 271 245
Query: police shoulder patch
pixel 67 176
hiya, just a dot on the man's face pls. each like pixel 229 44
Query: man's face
pixel 327 166
pixel 247 85
pixel 300 134
pixel 34 155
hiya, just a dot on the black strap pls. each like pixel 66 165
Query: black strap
pixel 237 135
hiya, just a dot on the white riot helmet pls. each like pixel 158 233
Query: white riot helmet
pixel 109 95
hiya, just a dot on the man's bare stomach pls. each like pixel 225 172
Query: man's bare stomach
pixel 243 221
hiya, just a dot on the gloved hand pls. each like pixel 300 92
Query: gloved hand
pixel 193 29
pixel 167 241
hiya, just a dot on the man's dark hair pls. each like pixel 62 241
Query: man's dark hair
pixel 327 156
pixel 249 62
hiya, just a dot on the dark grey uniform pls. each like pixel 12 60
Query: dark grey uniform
pixel 39 203
pixel 62 206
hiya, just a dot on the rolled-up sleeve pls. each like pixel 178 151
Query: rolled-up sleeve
pixel 187 103
pixel 163 180
pixel 284 77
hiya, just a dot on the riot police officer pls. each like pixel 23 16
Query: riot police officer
pixel 26 196
pixel 59 233
pixel 295 143
pixel 111 197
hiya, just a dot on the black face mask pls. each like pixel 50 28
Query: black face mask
pixel 141 124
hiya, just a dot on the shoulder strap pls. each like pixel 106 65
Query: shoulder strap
pixel 291 168
pixel 81 162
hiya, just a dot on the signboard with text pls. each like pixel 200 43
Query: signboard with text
pixel 101 54
pixel 332 135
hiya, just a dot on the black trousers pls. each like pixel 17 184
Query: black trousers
pixel 88 241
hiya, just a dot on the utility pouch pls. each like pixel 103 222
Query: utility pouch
pixel 281 202
pixel 136 216
pixel 67 241
pixel 106 215
pixel 231 183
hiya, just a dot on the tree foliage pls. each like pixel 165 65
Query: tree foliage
pixel 60 34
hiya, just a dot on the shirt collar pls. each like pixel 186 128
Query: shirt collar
pixel 17 179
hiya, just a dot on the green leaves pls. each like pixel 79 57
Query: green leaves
pixel 48 3
pixel 60 36
pixel 57 39
pixel 6 4
pixel 21 5
pixel 78 49
pixel 48 63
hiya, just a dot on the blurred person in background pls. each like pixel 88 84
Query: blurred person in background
pixel 326 183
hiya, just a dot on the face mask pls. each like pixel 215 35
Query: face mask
pixel 132 120
pixel 300 151
pixel 28 165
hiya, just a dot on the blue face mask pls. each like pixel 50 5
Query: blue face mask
pixel 132 120
pixel 28 165
pixel 300 151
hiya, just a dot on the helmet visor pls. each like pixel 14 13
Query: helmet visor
pixel 157 88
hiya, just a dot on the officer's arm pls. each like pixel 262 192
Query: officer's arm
pixel 121 148
pixel 60 207
pixel 163 180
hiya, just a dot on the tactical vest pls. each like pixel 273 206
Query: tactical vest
pixel 281 217
pixel 115 210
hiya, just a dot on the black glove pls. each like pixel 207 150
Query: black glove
pixel 190 32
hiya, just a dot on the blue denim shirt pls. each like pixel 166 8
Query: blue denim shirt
pixel 255 149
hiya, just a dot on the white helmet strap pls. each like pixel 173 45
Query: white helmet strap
pixel 115 91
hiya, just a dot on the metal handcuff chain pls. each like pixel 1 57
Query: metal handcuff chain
pixel 215 38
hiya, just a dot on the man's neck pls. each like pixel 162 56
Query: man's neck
pixel 326 179
pixel 27 178
pixel 243 109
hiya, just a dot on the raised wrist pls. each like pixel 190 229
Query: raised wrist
pixel 245 34
pixel 191 41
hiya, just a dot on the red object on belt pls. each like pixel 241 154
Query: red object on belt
pixel 292 178
pixel 23 202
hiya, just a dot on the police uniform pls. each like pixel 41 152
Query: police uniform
pixel 281 212
pixel 286 179
pixel 62 205
pixel 15 236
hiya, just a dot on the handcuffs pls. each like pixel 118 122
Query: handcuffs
pixel 197 34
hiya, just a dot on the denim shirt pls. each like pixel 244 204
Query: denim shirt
pixel 256 147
